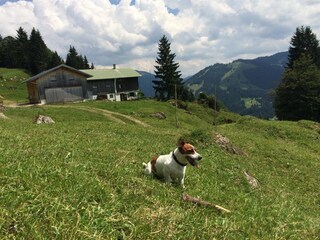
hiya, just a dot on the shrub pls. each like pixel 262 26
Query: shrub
pixel 209 101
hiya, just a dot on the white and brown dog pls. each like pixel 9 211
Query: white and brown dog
pixel 172 167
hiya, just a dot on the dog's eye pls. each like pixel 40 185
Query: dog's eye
pixel 191 151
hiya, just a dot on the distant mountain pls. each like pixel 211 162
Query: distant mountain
pixel 145 83
pixel 243 86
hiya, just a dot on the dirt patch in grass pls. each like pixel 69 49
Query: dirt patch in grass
pixel 226 144
pixel 115 115
pixel 3 116
pixel 159 115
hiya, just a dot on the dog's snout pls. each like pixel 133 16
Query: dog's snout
pixel 199 158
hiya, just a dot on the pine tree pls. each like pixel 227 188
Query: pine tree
pixel 8 46
pixel 22 51
pixel 54 60
pixel 39 53
pixel 72 59
pixel 85 63
pixel 168 78
pixel 75 60
pixel 304 41
pixel 80 62
pixel 298 95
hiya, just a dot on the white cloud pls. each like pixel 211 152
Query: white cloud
pixel 202 33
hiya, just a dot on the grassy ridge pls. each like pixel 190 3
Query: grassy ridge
pixel 81 178
pixel 11 86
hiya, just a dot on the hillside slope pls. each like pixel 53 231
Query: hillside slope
pixel 244 85
pixel 81 178
pixel 11 86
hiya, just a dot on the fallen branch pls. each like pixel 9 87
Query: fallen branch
pixel 186 197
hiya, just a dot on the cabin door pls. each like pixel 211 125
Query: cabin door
pixel 123 97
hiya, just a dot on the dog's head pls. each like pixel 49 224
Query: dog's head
pixel 189 152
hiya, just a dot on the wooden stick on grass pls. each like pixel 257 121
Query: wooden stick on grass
pixel 186 197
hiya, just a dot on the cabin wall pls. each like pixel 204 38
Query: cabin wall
pixel 62 85
pixel 127 84
pixel 126 88
pixel 96 87
pixel 33 94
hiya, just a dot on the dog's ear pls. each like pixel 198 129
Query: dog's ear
pixel 181 142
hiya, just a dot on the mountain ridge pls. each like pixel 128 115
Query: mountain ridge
pixel 243 85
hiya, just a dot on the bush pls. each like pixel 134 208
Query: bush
pixel 209 101
pixel 180 104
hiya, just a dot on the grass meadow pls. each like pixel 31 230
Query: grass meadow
pixel 82 177
pixel 11 84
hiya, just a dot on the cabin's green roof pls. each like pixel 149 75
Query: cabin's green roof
pixel 99 74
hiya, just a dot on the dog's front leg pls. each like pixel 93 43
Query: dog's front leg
pixel 181 181
pixel 166 175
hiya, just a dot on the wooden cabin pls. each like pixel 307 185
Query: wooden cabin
pixel 116 84
pixel 58 84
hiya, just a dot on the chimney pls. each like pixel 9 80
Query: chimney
pixel 114 66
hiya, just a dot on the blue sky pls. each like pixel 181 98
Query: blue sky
pixel 127 32
pixel 116 2
pixel 4 1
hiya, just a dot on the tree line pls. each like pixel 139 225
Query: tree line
pixel 298 94
pixel 31 53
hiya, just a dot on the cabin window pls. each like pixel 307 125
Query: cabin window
pixel 71 79
pixel 111 96
pixel 132 94
pixel 94 90
pixel 108 88
pixel 52 79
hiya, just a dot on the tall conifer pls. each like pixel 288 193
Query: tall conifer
pixel 22 51
pixel 168 77
pixel 304 41
pixel 39 53
pixel 298 94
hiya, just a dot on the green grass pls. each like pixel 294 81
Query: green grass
pixel 11 86
pixel 81 178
